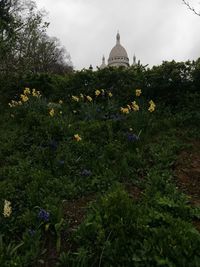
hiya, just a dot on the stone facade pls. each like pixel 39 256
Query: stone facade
pixel 118 56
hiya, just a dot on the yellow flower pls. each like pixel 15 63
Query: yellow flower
pixel 27 91
pixel 89 98
pixel 19 103
pixel 151 109
pixel 138 92
pixel 97 92
pixel 13 104
pixel 129 107
pixel 135 106
pixel 103 91
pixel 81 96
pixel 131 129
pixel 60 112
pixel 24 98
pixel 75 98
pixel 152 106
pixel 124 110
pixel 152 103
pixel 52 112
pixel 60 102
pixel 77 137
pixel 7 210
pixel 110 94
pixel 35 93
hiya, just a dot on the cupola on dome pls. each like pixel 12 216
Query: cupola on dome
pixel 118 55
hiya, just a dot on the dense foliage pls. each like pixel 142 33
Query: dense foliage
pixel 87 158
pixel 117 146
pixel 25 46
pixel 113 136
pixel 167 82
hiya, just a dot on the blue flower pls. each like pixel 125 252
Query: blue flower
pixel 61 162
pixel 53 144
pixel 132 137
pixel 43 215
pixel 117 117
pixel 86 172
pixel 31 232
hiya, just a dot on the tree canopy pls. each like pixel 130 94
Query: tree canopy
pixel 25 45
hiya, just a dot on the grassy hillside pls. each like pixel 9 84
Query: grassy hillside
pixel 93 179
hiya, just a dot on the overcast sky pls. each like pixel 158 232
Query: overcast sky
pixel 155 30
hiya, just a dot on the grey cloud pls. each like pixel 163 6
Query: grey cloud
pixel 155 30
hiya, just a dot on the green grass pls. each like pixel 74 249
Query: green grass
pixel 42 165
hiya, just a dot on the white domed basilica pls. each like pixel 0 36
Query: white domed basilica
pixel 118 56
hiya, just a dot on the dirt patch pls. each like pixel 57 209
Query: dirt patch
pixel 187 171
pixel 134 191
pixel 75 210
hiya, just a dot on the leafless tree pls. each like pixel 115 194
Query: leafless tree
pixel 24 43
pixel 191 7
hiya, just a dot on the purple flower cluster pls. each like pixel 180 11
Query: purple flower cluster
pixel 132 137
pixel 86 172
pixel 43 215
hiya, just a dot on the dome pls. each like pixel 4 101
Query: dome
pixel 118 55
pixel 103 65
pixel 118 51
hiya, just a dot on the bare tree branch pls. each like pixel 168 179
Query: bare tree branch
pixel 191 8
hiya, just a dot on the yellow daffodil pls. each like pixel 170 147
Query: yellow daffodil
pixel 152 103
pixel 152 106
pixel 52 112
pixel 124 110
pixel 151 109
pixel 110 94
pixel 75 98
pixel 36 93
pixel 7 210
pixel 77 137
pixel 24 98
pixel 138 92
pixel 89 98
pixel 97 92
pixel 135 106
pixel 129 107
pixel 27 91
pixel 60 102
pixel 13 104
